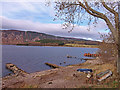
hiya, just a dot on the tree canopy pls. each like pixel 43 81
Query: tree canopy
pixel 77 11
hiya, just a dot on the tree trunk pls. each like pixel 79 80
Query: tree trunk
pixel 118 59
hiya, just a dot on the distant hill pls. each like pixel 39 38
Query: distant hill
pixel 20 37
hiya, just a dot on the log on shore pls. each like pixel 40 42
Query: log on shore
pixel 88 59
pixel 53 65
pixel 15 69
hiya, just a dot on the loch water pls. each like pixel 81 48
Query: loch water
pixel 33 58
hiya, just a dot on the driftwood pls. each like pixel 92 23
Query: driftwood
pixel 15 69
pixel 53 65
pixel 88 59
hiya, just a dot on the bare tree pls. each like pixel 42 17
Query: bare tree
pixel 75 12
pixel 107 48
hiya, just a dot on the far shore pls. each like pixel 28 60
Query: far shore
pixel 66 45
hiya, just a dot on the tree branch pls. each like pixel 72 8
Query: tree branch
pixel 112 29
pixel 108 8
pixel 93 14
pixel 99 15
pixel 94 11
pixel 102 16
pixel 112 11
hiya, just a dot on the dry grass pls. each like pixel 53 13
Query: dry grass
pixel 111 82
pixel 97 68
pixel 79 45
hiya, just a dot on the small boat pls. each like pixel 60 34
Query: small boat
pixel 103 75
pixel 91 55
pixel 85 70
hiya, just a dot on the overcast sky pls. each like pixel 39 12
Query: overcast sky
pixel 35 16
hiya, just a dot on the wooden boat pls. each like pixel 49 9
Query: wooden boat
pixel 84 70
pixel 91 55
pixel 103 75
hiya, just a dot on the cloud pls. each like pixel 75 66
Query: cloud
pixel 34 11
pixel 34 7
pixel 23 0
pixel 33 15
pixel 53 29
pixel 28 6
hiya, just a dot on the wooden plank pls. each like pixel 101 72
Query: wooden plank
pixel 53 65
pixel 15 69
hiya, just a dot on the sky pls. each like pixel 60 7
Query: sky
pixel 28 15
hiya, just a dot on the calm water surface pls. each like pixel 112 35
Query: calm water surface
pixel 32 58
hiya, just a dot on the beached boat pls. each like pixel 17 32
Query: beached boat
pixel 84 70
pixel 103 75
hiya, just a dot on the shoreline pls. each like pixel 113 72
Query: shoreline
pixel 65 77
pixel 10 74
pixel 84 46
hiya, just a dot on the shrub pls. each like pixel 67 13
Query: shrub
pixel 107 48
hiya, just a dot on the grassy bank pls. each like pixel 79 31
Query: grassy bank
pixel 80 45
pixel 52 44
